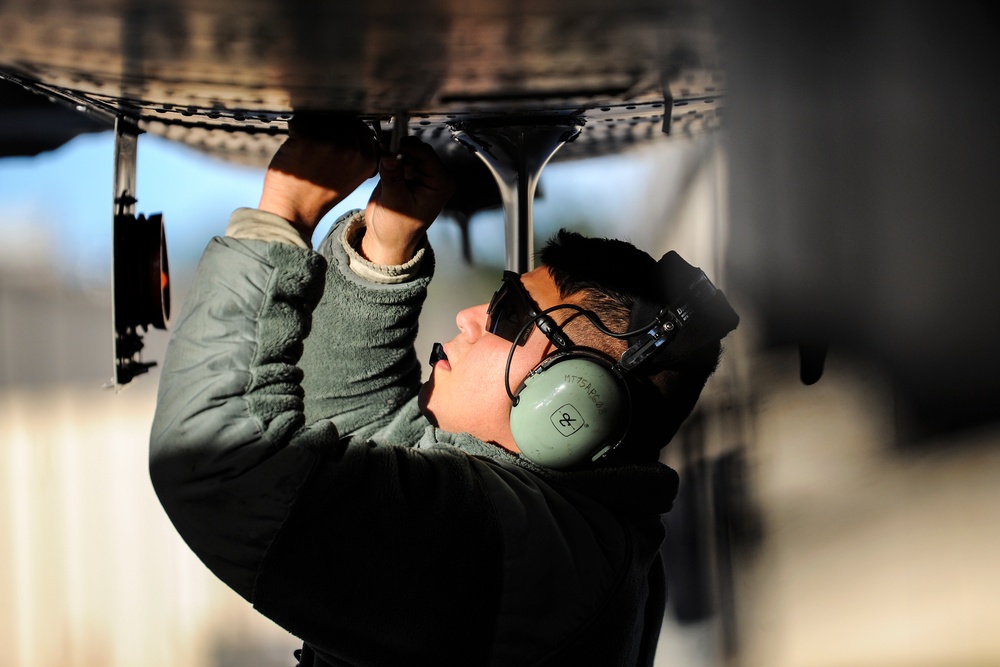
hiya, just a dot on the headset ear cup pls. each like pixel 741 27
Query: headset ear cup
pixel 571 409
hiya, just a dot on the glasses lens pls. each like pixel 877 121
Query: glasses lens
pixel 508 311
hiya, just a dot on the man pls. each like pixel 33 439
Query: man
pixel 385 523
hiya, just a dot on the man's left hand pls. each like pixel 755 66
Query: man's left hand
pixel 410 194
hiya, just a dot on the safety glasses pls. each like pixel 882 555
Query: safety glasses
pixel 510 310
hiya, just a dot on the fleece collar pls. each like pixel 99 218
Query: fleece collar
pixel 649 488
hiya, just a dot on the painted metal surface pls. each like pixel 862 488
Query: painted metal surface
pixel 225 76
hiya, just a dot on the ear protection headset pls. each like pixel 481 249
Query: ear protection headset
pixel 576 406
pixel 571 409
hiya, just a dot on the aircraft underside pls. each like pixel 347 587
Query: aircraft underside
pixel 226 77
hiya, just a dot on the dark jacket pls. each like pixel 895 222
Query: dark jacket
pixel 304 476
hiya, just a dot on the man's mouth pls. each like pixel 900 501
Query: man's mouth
pixel 438 354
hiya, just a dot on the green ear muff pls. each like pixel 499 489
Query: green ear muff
pixel 572 409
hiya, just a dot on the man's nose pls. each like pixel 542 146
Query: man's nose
pixel 472 322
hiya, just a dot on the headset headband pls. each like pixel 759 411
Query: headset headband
pixel 695 314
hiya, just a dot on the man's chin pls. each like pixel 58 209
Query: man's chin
pixel 423 399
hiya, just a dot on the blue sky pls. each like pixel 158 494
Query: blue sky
pixel 64 197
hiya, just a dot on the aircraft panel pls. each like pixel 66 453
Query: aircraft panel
pixel 633 70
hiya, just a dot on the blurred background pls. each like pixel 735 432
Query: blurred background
pixel 850 198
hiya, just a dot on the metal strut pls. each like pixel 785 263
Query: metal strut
pixel 126 149
pixel 515 151
pixel 140 274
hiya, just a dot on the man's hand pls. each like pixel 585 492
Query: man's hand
pixel 324 160
pixel 409 196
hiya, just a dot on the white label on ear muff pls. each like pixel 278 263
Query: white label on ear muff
pixel 601 452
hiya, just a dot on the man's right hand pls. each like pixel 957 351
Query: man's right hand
pixel 324 160
pixel 408 198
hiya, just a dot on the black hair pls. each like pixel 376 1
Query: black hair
pixel 606 276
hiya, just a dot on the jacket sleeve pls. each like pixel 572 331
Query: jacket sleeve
pixel 227 449
pixel 358 548
pixel 359 361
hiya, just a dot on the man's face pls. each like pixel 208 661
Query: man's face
pixel 466 392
